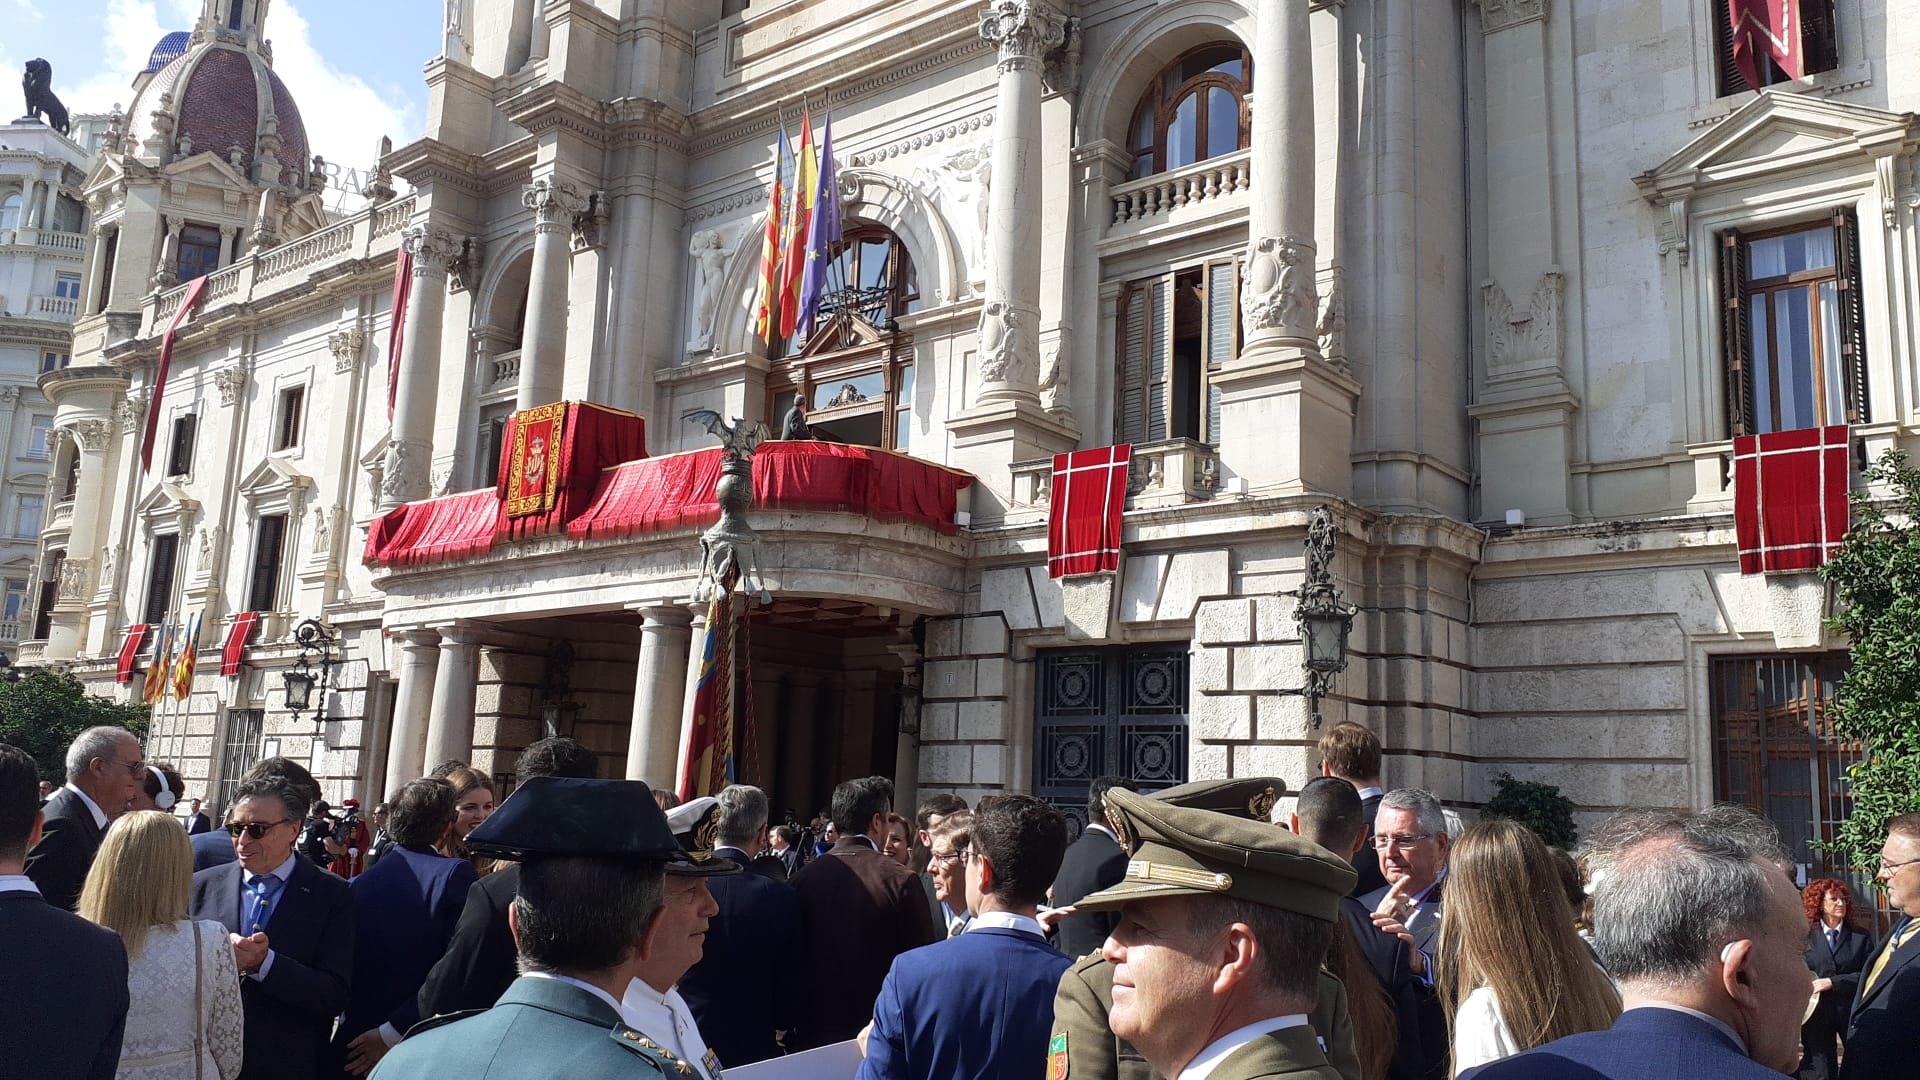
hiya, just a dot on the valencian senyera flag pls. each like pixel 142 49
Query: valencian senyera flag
pixel 183 666
pixel 709 763
pixel 1765 29
pixel 793 250
pixel 154 686
pixel 823 233
pixel 766 319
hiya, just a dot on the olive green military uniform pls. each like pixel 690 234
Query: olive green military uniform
pixel 541 1029
pixel 1094 1052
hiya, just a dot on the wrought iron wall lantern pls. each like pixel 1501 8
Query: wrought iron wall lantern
pixel 312 668
pixel 1324 616
pixel 558 711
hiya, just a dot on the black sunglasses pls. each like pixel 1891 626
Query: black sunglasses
pixel 255 829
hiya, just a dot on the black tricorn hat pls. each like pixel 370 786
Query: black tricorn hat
pixel 559 815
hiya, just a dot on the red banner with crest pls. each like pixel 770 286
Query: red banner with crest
pixel 533 464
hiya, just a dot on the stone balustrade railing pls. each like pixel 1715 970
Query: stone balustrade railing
pixel 30 652
pixel 1138 201
pixel 63 241
pixel 62 308
pixel 1170 472
pixel 9 629
pixel 61 517
pixel 371 232
pixel 506 369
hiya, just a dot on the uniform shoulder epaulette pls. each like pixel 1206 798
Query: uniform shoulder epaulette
pixel 653 1052
pixel 440 1021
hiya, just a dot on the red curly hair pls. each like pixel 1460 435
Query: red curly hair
pixel 1816 894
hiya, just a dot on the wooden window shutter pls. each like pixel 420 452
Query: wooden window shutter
pixel 1819 39
pixel 1853 321
pixel 1130 347
pixel 1736 346
pixel 1221 342
pixel 162 554
pixel 269 536
pixel 1729 78
pixel 1159 357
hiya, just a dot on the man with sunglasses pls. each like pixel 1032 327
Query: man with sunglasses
pixel 291 925
pixel 1883 1039
pixel 104 773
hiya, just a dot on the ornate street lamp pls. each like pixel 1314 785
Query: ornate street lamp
pixel 315 639
pixel 558 711
pixel 1324 616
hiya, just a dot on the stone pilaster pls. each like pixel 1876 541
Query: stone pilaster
pixel 554 204
pixel 407 474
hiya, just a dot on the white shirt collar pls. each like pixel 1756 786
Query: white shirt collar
pixel 99 815
pixel 18 883
pixel 1697 1015
pixel 1372 792
pixel 1006 920
pixel 1099 828
pixel 587 986
pixel 1209 1059
pixel 666 1019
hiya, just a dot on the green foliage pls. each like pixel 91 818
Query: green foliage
pixel 43 712
pixel 1876 579
pixel 1538 806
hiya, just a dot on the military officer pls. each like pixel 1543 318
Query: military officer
pixel 593 914
pixel 1085 997
pixel 1224 924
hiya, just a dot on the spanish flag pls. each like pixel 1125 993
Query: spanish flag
pixel 793 256
pixel 709 762
pixel 766 321
pixel 183 665
pixel 154 686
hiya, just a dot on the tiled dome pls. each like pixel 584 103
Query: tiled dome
pixel 217 93
pixel 167 50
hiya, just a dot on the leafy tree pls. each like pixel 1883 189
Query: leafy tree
pixel 1538 806
pixel 44 711
pixel 1876 578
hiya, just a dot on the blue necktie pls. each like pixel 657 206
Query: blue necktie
pixel 1833 939
pixel 261 891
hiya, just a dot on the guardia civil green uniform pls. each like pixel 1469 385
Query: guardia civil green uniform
pixel 1209 838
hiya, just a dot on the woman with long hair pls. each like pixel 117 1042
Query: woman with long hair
pixel 1376 1031
pixel 184 1021
pixel 473 801
pixel 1513 972
pixel 1838 949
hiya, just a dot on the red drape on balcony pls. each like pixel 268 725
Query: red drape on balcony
pixel 1083 516
pixel 1790 497
pixel 450 527
pixel 235 648
pixel 552 460
pixel 130 652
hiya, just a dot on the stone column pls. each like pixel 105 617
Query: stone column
pixel 407 473
pixel 450 723
pixel 229 244
pixel 1009 358
pixel 417 662
pixel 49 198
pixel 165 275
pixel 543 352
pixel 906 757
pixel 659 693
pixel 76 583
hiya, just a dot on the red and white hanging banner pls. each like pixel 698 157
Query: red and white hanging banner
pixel 1083 520
pixel 180 318
pixel 1767 28
pixel 1790 497
pixel 397 322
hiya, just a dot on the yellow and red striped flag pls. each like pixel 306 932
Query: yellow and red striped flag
pixel 183 666
pixel 154 686
pixel 793 256
pixel 766 320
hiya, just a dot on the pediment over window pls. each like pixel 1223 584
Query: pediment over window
pixel 841 330
pixel 1777 134
pixel 167 501
pixel 275 482
pixel 209 169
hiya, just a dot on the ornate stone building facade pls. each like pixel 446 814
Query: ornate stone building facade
pixel 1452 268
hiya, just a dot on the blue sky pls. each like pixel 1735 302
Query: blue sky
pixel 354 65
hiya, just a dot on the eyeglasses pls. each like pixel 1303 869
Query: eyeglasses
pixel 1894 867
pixel 133 767
pixel 255 829
pixel 949 858
pixel 1405 840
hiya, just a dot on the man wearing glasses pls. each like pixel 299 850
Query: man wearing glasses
pixel 104 772
pixel 1410 835
pixel 1884 1039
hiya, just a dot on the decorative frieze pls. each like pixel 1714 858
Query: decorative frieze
pixel 976 122
pixel 1523 340
pixel 231 382
pixel 1498 15
pixel 92 434
pixel 76 580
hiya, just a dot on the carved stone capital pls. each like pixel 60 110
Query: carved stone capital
pixel 230 382
pixel 554 204
pixel 1498 15
pixel 590 224
pixel 129 413
pixel 346 346
pixel 9 395
pixel 433 250
pixel 1025 30
pixel 1280 289
pixel 407 472
pixel 92 434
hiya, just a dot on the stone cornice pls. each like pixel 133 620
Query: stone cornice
pixel 35 332
pixel 640 121
pixel 69 380
pixel 553 106
pixel 425 162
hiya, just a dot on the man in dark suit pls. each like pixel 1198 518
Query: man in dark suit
pixel 980 1004
pixel 216 848
pixel 747 984
pixel 1351 752
pixel 104 772
pixel 478 964
pixel 292 931
pixel 1701 927
pixel 70 1009
pixel 1094 862
pixel 197 821
pixel 404 911
pixel 1883 1038
pixel 868 907
pixel 1410 836
pixel 934 809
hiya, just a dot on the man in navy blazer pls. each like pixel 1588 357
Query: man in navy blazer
pixel 748 982
pixel 404 912
pixel 70 1009
pixel 1883 1038
pixel 980 1004
pixel 1093 862
pixel 104 772
pixel 1700 925
pixel 215 847
pixel 291 924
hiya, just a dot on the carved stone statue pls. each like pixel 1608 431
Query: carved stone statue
pixel 38 83
pixel 709 252
pixel 966 179
pixel 727 547
pixel 379 189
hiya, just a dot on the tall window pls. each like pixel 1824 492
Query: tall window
pixel 10 211
pixel 291 413
pixel 269 540
pixel 29 512
pixel 1818 40
pixel 1173 333
pixel 66 286
pixel 13 608
pixel 855 373
pixel 180 447
pixel 162 555
pixel 106 270
pixel 199 252
pixel 49 594
pixel 40 438
pixel 1195 109
pixel 1793 334
pixel 493 436
pixel 239 752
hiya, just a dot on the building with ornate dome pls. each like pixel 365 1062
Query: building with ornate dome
pixel 1461 272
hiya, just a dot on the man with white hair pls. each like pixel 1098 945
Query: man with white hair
pixel 1700 925
pixel 104 773
pixel 1411 836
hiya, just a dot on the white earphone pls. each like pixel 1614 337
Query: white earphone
pixel 166 798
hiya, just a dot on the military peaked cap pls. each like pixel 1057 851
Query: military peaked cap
pixel 696 826
pixel 559 815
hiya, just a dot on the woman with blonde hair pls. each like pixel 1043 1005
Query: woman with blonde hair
pixel 184 1021
pixel 1513 972
pixel 473 803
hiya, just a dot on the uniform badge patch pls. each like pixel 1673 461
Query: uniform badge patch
pixel 1057 1056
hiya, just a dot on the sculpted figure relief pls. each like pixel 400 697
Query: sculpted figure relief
pixel 709 253
pixel 966 180
pixel 1280 288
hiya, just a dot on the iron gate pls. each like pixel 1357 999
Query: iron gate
pixel 1120 710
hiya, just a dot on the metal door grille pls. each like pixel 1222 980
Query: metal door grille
pixel 1120 710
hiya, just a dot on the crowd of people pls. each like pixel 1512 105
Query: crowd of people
pixel 1219 930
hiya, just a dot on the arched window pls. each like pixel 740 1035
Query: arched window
pixel 10 211
pixel 1195 109
pixel 854 374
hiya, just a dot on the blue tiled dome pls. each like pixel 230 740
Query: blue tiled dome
pixel 167 50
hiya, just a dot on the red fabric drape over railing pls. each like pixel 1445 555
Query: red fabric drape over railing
pixel 592 438
pixel 450 527
pixel 234 650
pixel 1083 515
pixel 1790 508
pixel 130 652
pixel 397 322
pixel 181 317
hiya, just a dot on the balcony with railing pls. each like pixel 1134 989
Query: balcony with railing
pixel 64 243
pixel 10 631
pixel 1168 472
pixel 60 518
pixel 55 308
pixel 1218 184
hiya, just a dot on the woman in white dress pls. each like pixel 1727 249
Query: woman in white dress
pixel 184 1022
pixel 1513 972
